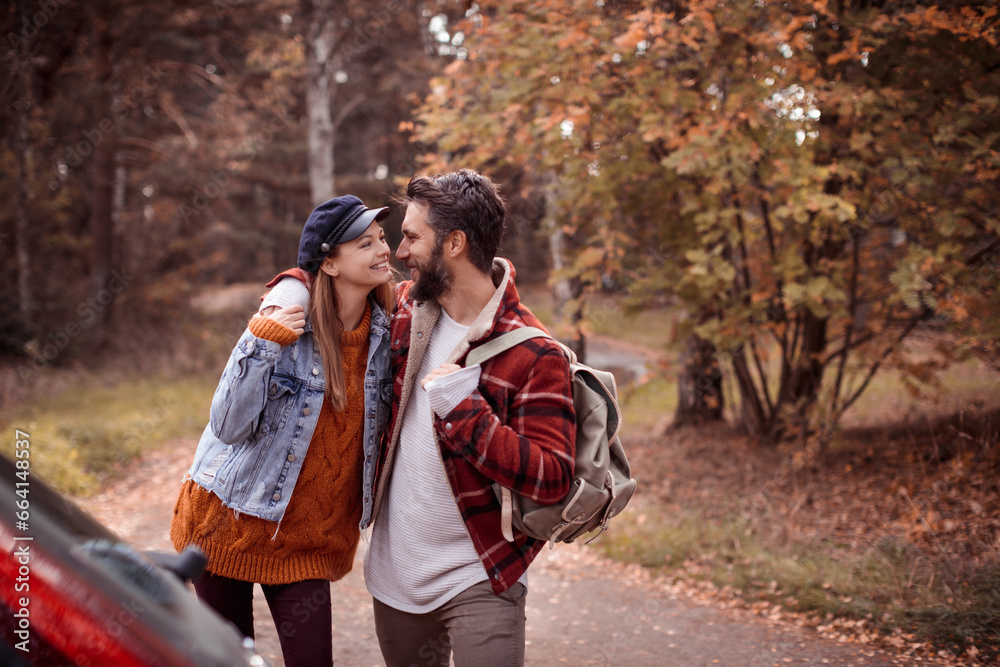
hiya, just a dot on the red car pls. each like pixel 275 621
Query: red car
pixel 72 593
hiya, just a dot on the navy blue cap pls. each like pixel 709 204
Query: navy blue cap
pixel 339 220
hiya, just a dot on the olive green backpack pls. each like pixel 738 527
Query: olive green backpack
pixel 602 480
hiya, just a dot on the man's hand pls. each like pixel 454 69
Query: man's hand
pixel 292 317
pixel 443 369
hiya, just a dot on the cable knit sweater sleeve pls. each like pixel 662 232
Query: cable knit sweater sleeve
pixel 268 329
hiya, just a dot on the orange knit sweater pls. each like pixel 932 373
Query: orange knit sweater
pixel 318 535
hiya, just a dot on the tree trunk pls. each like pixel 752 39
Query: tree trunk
pixel 806 375
pixel 103 171
pixel 757 422
pixel 126 247
pixel 22 152
pixel 320 42
pixel 567 307
pixel 699 385
pixel 424 15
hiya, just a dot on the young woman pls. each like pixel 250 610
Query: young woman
pixel 281 479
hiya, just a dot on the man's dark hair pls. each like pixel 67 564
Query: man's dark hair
pixel 463 201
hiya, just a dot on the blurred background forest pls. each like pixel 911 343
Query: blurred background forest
pixel 795 206
pixel 808 185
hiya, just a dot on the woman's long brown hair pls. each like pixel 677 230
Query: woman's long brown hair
pixel 325 315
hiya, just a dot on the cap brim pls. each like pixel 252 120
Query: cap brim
pixel 364 221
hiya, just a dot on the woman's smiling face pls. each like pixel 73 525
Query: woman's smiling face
pixel 362 262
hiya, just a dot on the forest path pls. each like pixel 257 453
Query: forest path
pixel 582 609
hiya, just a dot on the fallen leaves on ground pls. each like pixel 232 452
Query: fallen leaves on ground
pixel 930 487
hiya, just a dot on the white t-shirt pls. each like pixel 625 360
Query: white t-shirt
pixel 420 554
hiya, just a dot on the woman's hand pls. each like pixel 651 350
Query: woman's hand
pixel 292 317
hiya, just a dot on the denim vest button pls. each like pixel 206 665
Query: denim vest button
pixel 315 371
pixel 306 412
pixel 276 497
pixel 291 457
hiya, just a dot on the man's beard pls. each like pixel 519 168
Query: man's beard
pixel 434 279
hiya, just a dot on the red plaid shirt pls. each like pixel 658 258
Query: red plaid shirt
pixel 518 428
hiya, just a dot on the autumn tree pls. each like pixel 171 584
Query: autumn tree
pixel 137 121
pixel 29 69
pixel 169 142
pixel 806 180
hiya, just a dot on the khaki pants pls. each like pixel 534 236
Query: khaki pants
pixel 481 629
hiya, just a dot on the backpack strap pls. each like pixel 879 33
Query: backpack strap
pixel 485 352
pixel 502 343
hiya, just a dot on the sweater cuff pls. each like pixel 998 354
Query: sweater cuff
pixel 268 329
pixel 287 292
pixel 445 392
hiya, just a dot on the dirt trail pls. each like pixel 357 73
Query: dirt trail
pixel 582 610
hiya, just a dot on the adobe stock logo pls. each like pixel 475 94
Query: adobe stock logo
pixel 365 34
pixel 31 26
pixel 121 109
pixel 220 179
pixel 47 348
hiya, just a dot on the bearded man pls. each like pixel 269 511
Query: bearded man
pixel 445 582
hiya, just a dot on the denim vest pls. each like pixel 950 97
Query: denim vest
pixel 264 413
